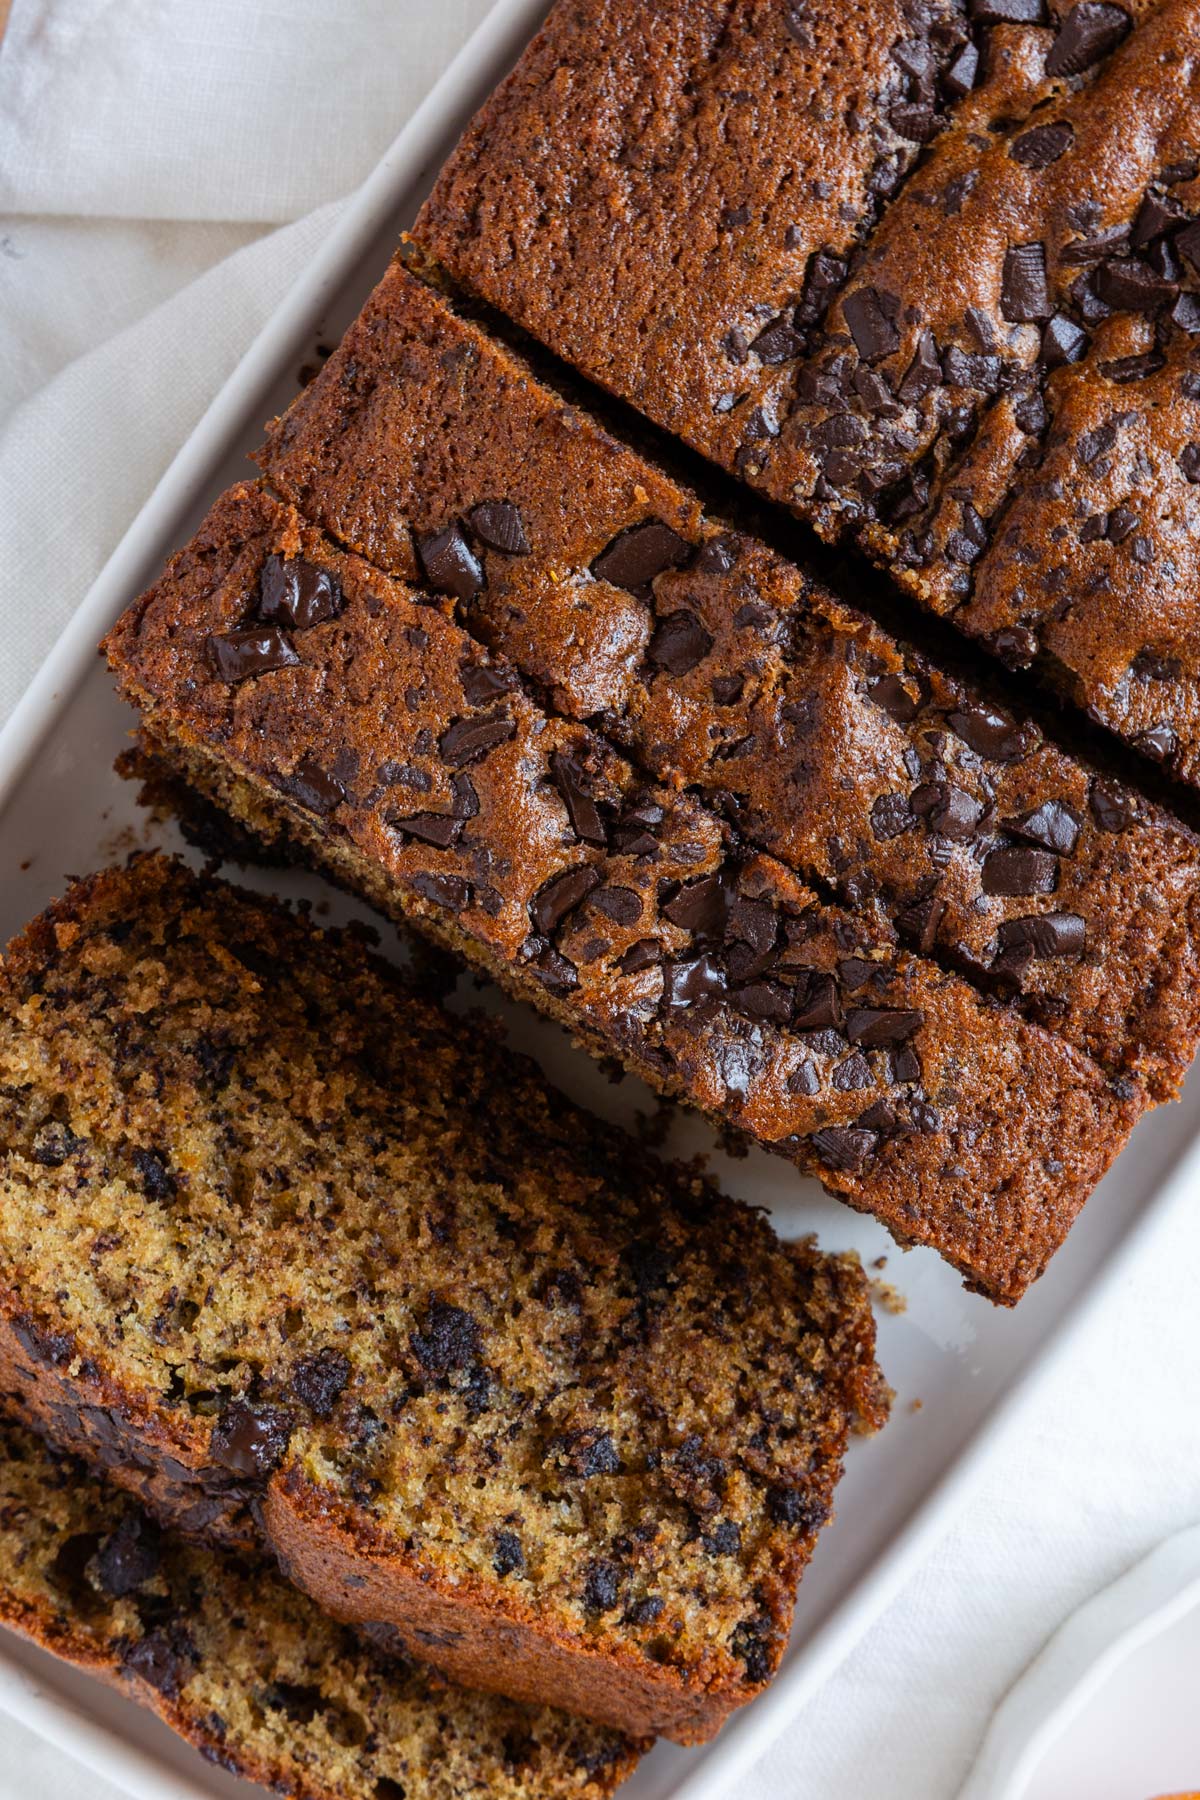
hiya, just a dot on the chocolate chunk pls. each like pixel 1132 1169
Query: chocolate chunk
pixel 701 907
pixel 554 969
pixel 991 733
pixel 920 123
pixel 1128 285
pixel 804 1080
pixel 236 655
pixel 1089 31
pixel 481 683
pixel 1044 934
pixel 449 562
pixel 963 72
pixel 54 1347
pixel 467 740
pixel 602 1585
pixel 1054 825
pixel 1189 462
pixel 572 784
pixel 639 553
pixel 679 643
pixel 948 811
pixel 769 1001
pixel 1187 243
pixel 817 1006
pixel 1024 295
pixel 509 1557
pixel 157 1180
pixel 439 829
pixel 855 971
pixel 298 594
pixel 752 922
pixel 636 831
pixel 452 1339
pixel 689 980
pixel 130 1556
pixel 918 921
pixel 164 1658
pixel 450 891
pixel 561 895
pixel 1062 341
pixel 903 1065
pixel 727 690
pixel 845 1147
pixel 1043 145
pixel 889 692
pixel 718 555
pixel 1159 743
pixel 1156 215
pixel 314 787
pixel 871 315
pixel 1016 870
pixel 623 905
pixel 891 815
pixel 1186 313
pixel 777 342
pixel 249 1438
pixel 55 1144
pixel 854 1073
pixel 924 372
pixel 498 524
pixel 319 1380
pixel 875 1026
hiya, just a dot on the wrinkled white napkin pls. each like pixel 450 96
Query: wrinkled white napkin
pixel 165 171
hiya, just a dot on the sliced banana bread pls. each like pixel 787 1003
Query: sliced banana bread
pixel 318 700
pixel 264 1684
pixel 296 1256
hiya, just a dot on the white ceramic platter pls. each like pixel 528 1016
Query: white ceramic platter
pixel 957 1364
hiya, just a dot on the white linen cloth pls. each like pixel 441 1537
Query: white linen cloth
pixel 166 168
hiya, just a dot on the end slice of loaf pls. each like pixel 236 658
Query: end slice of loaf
pixel 296 1256
pixel 262 1682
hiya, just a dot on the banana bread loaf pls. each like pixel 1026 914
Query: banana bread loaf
pixel 295 1256
pixel 253 1674
pixel 720 667
pixel 909 271
pixel 357 719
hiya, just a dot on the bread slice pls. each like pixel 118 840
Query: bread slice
pixel 262 1682
pixel 339 714
pixel 297 1257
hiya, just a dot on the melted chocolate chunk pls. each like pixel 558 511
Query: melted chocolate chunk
pixel 876 1026
pixel 1024 295
pixel 871 316
pixel 623 905
pixel 237 655
pixel 318 1381
pixel 845 1147
pixel 452 1339
pixel 691 979
pixel 560 896
pixel 450 891
pixel 642 955
pixel 1015 871
pixel 1054 825
pixel 992 733
pixel 481 683
pixel 889 692
pixel 164 1658
pixel 498 524
pixel 701 907
pixel 679 643
pixel 769 1001
pixel 298 594
pixel 130 1556
pixel 439 829
pixel 718 555
pixel 639 553
pixel 1090 31
pixel 572 784
pixel 1044 934
pixel 314 787
pixel 250 1439
pixel 1159 743
pixel 449 562
pixel 469 740
pixel 1042 145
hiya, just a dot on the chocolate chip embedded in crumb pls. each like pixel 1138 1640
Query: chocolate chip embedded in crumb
pixel 482 683
pixel 691 979
pixel 452 1339
pixel 1054 825
pixel 1024 295
pixel 439 829
pixel 560 896
pixel 1159 743
pixel 876 1026
pixel 1042 145
pixel 164 1658
pixel 499 525
pixel 645 954
pixel 854 1073
pixel 679 642
pixel 1007 12
pixel 250 1439
pixel 1090 31
pixel 450 891
pixel 718 555
pixel 871 315
pixel 575 793
pixel 701 907
pixel 1130 285
pixel 1017 871
pixel 449 562
pixel 237 655
pixel 647 1611
pixel 636 555
pixel 130 1556
pixel 963 72
pixel 314 787
pixel 1063 341
pixel 891 816
pixel 1189 462
pixel 817 1006
pixel 468 740
pixel 509 1556
pixel 1044 934
pixel 889 692
pixel 845 1147
pixel 157 1180
pixel 1111 808
pixel 318 1381
pixel 623 905
pixel 297 594
pixel 602 1585
pixel 918 921
pixel 992 733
